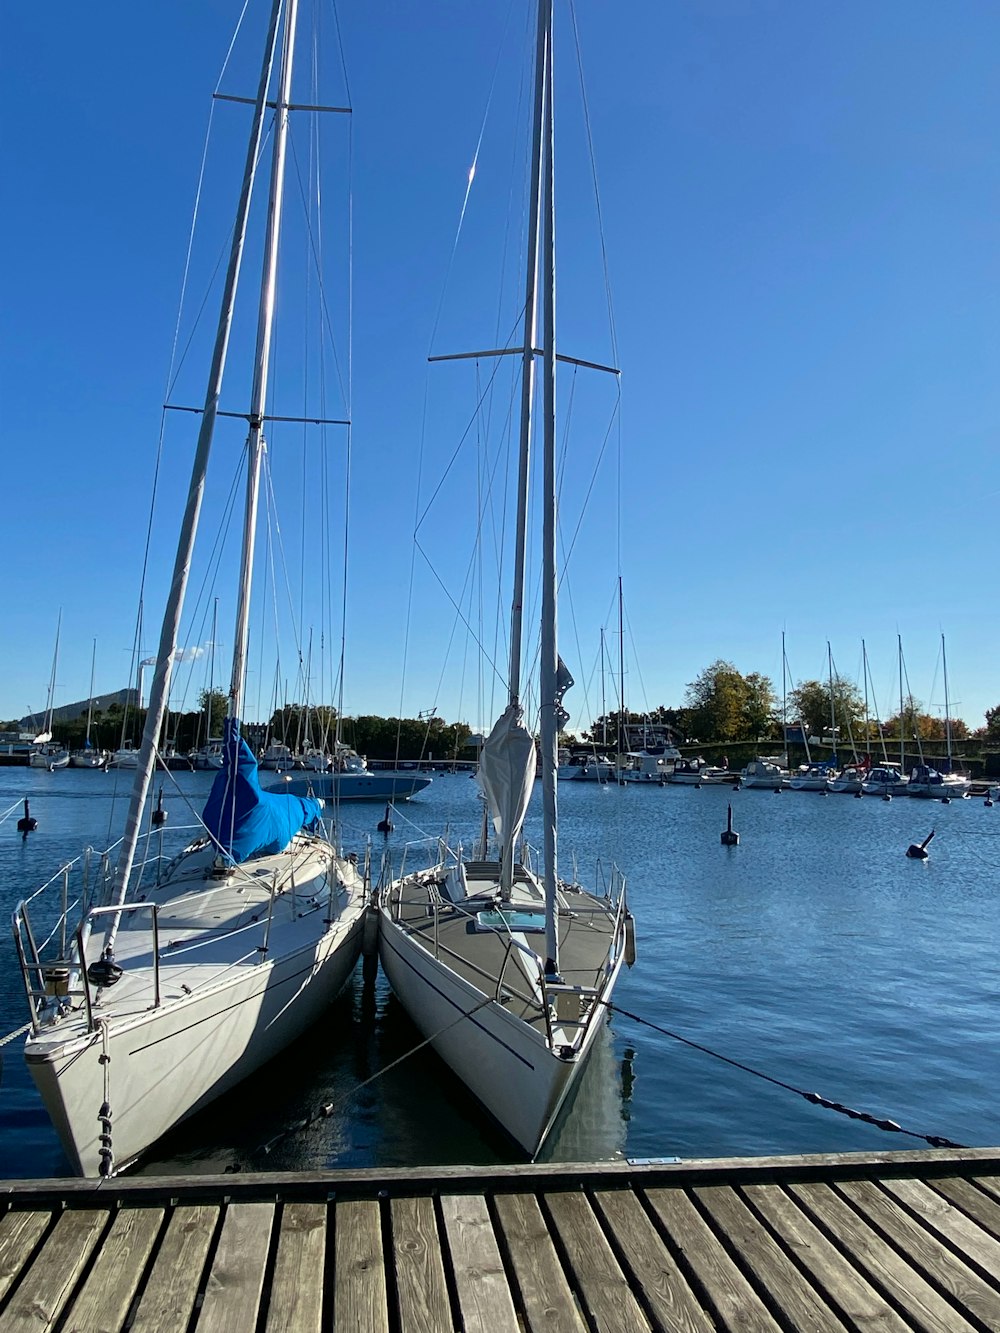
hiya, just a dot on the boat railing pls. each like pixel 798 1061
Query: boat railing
pixel 46 930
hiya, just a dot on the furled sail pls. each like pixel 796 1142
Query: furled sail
pixel 241 818
pixel 507 774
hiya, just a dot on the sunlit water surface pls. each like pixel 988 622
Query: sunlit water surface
pixel 815 952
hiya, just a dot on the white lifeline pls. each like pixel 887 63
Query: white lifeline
pixel 221 966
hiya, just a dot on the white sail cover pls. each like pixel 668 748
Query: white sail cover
pixel 507 773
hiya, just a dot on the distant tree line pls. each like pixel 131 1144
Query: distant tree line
pixel 295 725
pixel 723 705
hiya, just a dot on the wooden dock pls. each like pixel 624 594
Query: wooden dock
pixel 889 1242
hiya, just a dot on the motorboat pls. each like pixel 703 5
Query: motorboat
pixel 934 785
pixel 811 777
pixel 848 782
pixel 765 773
pixel 885 780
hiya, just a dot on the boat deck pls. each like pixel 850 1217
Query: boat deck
pixel 471 937
pixel 895 1241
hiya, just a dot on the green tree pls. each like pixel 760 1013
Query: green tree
pixel 810 702
pixel 724 705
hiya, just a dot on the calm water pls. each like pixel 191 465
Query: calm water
pixel 815 951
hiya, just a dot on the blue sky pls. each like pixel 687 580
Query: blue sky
pixel 800 210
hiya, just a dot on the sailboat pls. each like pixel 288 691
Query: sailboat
pixel 89 756
pixel 939 784
pixel 45 752
pixel 173 986
pixel 507 972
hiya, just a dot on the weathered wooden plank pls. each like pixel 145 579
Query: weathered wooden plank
pixel 296 1303
pixel 167 1303
pixel 799 1302
pixel 20 1232
pixel 923 1249
pixel 236 1277
pixel 104 1299
pixel 532 1177
pixel 39 1300
pixel 830 1271
pixel 925 1308
pixel 991 1184
pixel 360 1302
pixel 421 1289
pixel 936 1212
pixel 731 1295
pixel 546 1299
pixel 963 1194
pixel 664 1287
pixel 604 1288
pixel 484 1296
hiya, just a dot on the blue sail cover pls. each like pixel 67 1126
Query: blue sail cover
pixel 243 820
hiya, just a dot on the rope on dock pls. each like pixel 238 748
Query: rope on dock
pixel 815 1098
pixel 330 1108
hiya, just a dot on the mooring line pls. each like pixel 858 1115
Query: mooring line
pixel 814 1098
pixel 330 1108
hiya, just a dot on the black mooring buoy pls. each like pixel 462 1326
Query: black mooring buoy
pixel 918 850
pixel 385 825
pixel 159 815
pixel 27 823
pixel 988 801
pixel 887 796
pixel 729 838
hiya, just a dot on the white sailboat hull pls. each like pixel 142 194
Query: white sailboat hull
pixel 504 1063
pixel 168 1063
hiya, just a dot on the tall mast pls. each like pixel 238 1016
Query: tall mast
pixel 621 673
pixel 604 706
pixel 262 358
pixel 902 743
pixel 864 673
pixel 549 658
pixel 52 679
pixel 947 709
pixel 784 699
pixel 211 672
pixel 90 702
pixel 833 715
pixel 169 633
pixel 528 361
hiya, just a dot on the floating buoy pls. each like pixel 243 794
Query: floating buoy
pixel 988 801
pixel 887 796
pixel 918 850
pixel 27 823
pixel 729 838
pixel 946 800
pixel 736 786
pixel 159 815
pixel 385 825
pixel 858 794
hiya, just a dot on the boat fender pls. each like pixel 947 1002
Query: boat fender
pixel 629 939
pixel 27 823
pixel 917 851
pixel 369 935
